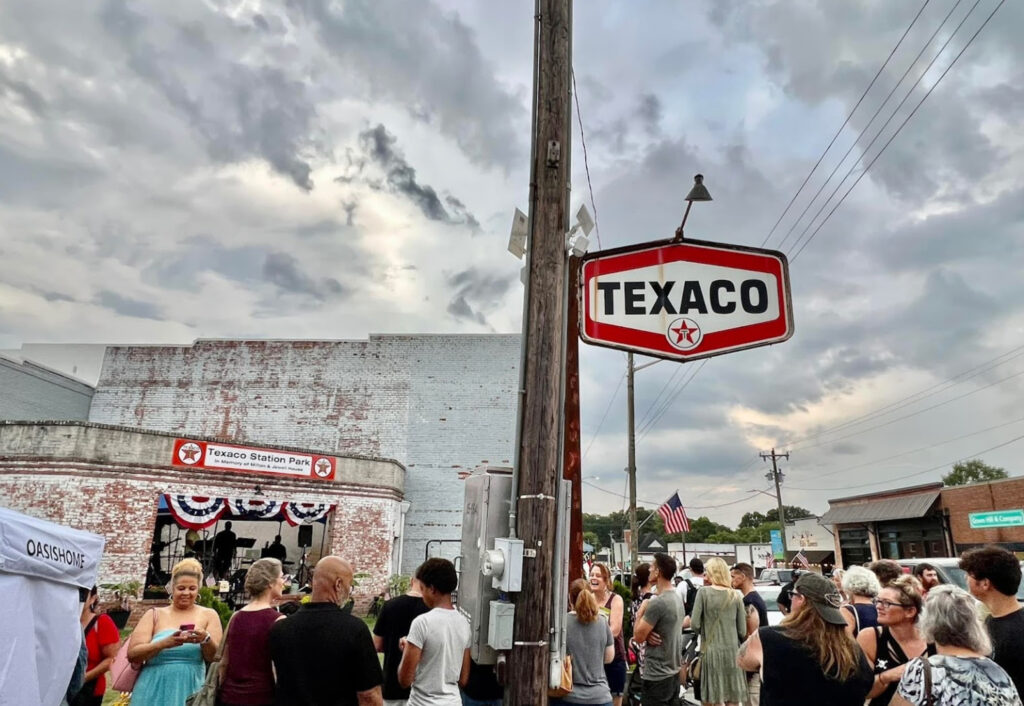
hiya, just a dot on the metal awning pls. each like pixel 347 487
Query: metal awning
pixel 899 508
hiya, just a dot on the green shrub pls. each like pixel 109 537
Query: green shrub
pixel 209 599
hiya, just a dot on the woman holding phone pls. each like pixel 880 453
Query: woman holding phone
pixel 175 642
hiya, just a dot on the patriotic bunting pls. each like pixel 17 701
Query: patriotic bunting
pixel 196 512
pixel 305 513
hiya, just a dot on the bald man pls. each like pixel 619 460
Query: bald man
pixel 322 655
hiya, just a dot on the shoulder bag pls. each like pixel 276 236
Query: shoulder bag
pixel 929 695
pixel 565 684
pixel 207 694
pixel 123 670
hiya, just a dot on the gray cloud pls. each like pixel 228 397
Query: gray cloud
pixel 476 292
pixel 379 145
pixel 129 307
pixel 284 271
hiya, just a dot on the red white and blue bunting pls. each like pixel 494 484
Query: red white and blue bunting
pixel 305 513
pixel 254 509
pixel 196 512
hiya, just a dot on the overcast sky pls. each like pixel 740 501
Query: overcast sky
pixel 313 169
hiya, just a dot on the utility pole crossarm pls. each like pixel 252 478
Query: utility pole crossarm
pixel 775 475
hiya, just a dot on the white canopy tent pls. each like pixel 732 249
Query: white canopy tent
pixel 42 567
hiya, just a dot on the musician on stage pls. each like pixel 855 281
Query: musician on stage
pixel 224 547
pixel 277 550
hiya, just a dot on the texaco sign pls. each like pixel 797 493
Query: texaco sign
pixel 685 300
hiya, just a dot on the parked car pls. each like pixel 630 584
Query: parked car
pixel 770 594
pixel 949 571
pixel 775 577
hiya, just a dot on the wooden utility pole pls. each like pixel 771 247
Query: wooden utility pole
pixel 572 464
pixel 541 409
pixel 776 476
pixel 634 539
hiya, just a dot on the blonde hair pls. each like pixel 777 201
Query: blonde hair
pixel 717 571
pixel 583 601
pixel 187 567
pixel 836 652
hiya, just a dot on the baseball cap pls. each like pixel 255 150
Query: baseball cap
pixel 823 595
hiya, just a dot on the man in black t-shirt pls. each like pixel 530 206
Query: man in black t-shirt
pixel 393 624
pixel 993 577
pixel 757 617
pixel 322 655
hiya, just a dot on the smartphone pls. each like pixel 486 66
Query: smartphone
pixel 187 627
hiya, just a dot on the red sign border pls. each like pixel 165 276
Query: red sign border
pixel 179 442
pixel 699 251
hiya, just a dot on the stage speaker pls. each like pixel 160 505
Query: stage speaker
pixel 305 535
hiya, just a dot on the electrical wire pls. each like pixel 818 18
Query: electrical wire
pixel 919 395
pixel 912 414
pixel 603 417
pixel 918 473
pixel 845 123
pixel 970 41
pixel 918 450
pixel 664 389
pixel 668 401
pixel 656 504
pixel 586 165
pixel 881 107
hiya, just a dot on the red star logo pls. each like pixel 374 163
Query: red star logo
pixel 189 453
pixel 323 467
pixel 683 331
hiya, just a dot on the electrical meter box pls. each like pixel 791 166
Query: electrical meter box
pixel 485 517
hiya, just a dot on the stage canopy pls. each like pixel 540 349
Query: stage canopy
pixel 198 512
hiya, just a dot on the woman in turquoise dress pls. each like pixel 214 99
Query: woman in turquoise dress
pixel 175 643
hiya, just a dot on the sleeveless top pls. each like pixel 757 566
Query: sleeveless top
pixel 889 654
pixel 793 677
pixel 865 616
pixel 620 644
pixel 249 678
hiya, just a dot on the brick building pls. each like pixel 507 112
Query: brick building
pixel 110 481
pixel 439 405
pixel 922 521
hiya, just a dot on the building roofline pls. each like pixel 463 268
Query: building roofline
pixel 210 439
pixel 38 370
pixel 924 487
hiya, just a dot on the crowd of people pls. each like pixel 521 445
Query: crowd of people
pixel 870 636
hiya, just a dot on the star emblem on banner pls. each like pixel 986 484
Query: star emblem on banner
pixel 189 453
pixel 684 333
pixel 322 468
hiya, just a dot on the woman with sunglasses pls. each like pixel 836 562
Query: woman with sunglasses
pixel 897 639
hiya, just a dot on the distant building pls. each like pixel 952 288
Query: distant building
pixel 33 392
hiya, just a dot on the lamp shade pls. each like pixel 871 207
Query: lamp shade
pixel 699 192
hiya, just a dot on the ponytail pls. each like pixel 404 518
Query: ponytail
pixel 586 607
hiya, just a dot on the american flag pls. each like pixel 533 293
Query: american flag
pixel 769 560
pixel 801 560
pixel 674 516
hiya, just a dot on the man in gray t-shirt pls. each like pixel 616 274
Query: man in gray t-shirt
pixel 661 629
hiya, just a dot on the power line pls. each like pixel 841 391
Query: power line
pixel 657 504
pixel 920 473
pixel 918 450
pixel 881 107
pixel 604 416
pixel 912 414
pixel 664 389
pixel 845 122
pixel 586 165
pixel 668 401
pixel 900 128
pixel 919 395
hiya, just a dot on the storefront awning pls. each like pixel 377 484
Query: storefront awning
pixel 899 508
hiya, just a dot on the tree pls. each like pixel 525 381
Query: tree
pixel 753 519
pixel 702 528
pixel 793 512
pixel 591 539
pixel 972 471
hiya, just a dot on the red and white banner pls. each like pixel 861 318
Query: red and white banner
pixel 197 512
pixel 253 509
pixel 246 459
